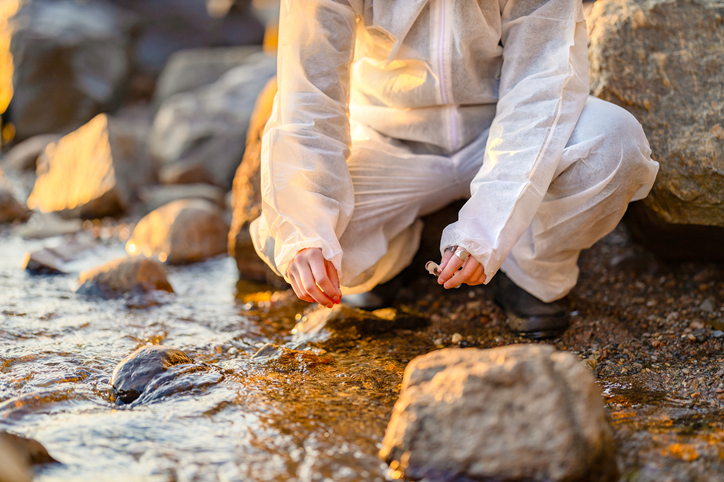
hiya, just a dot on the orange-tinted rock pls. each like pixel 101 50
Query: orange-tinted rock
pixel 94 171
pixel 246 194
pixel 124 275
pixel 181 232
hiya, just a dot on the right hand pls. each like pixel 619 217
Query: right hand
pixel 313 278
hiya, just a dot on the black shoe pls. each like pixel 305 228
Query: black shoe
pixel 527 315
pixel 381 296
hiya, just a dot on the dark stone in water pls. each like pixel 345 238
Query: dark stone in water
pixel 136 372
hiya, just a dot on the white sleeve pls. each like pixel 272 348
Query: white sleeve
pixel 543 88
pixel 307 192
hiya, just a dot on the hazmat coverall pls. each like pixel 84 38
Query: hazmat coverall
pixel 388 110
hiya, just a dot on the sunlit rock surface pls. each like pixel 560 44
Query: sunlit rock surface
pixel 207 127
pixel 8 8
pixel 190 69
pixel 137 370
pixel 124 275
pixel 246 193
pixel 517 412
pixel 70 59
pixel 662 61
pixel 92 172
pixel 24 156
pixel 181 232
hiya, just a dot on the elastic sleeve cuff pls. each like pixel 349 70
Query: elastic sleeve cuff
pixel 488 257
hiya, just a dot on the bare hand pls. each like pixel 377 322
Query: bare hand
pixel 313 278
pixel 472 273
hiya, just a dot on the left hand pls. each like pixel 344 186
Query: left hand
pixel 472 273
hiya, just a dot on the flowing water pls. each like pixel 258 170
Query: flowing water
pixel 308 417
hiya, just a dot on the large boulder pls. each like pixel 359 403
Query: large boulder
pixel 188 70
pixel 246 193
pixel 94 171
pixel 167 26
pixel 181 232
pixel 206 128
pixel 70 62
pixel 124 275
pixel 17 455
pixel 662 60
pixel 521 412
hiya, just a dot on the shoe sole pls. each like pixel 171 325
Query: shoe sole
pixel 536 329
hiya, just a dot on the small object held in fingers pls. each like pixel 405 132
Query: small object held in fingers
pixel 433 268
pixel 462 254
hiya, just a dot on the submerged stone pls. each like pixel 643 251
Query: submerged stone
pixel 521 412
pixel 181 232
pixel 124 275
pixel 135 372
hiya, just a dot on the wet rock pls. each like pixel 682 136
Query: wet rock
pixel 207 127
pixel 70 62
pixel 8 8
pixel 24 156
pixel 287 360
pixel 135 372
pixel 124 275
pixel 30 451
pixel 181 232
pixel 17 454
pixel 678 48
pixel 342 323
pixel 93 172
pixel 10 209
pixel 43 261
pixel 246 194
pixel 188 70
pixel 168 26
pixel 156 196
pixel 522 412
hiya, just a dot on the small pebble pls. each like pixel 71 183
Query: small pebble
pixel 707 305
pixel 717 333
pixel 437 341
pixel 457 338
pixel 233 350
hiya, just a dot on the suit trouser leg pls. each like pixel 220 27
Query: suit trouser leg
pixel 606 164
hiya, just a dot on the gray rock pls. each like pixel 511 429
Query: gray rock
pixel 156 196
pixel 181 232
pixel 207 127
pixel 707 306
pixel 24 156
pixel 135 372
pixel 43 261
pixel 124 275
pixel 521 412
pixel 93 172
pixel 188 70
pixel 662 61
pixel 70 62
pixel 47 225
pixel 246 194
pixel 168 26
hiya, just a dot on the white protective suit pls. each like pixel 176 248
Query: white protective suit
pixel 388 110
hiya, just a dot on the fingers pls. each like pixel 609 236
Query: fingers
pixel 452 266
pixel 313 278
pixel 320 274
pixel 446 255
pixel 464 274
